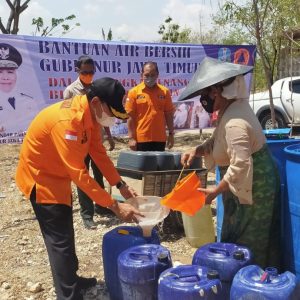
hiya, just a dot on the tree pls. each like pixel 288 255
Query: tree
pixel 264 21
pixel 109 35
pixel 46 30
pixel 171 32
pixel 16 8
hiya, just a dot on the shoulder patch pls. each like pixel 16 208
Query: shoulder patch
pixel 66 103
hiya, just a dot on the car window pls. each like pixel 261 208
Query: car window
pixel 295 86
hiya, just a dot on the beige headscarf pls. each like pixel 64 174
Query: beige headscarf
pixel 237 89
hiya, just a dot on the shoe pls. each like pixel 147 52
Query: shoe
pixel 89 224
pixel 86 283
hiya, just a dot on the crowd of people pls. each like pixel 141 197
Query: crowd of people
pixel 66 138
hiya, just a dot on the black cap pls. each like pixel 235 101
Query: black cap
pixel 110 91
pixel 10 57
pixel 239 255
pixel 212 274
pixel 163 257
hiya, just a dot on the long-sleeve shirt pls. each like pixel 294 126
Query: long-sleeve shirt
pixel 53 151
pixel 237 136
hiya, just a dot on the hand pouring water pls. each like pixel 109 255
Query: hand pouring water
pixel 151 208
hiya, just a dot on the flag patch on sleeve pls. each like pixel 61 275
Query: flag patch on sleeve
pixel 71 135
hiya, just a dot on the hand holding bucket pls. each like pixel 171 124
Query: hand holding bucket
pixel 185 196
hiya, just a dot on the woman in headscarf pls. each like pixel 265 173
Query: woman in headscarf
pixel 250 184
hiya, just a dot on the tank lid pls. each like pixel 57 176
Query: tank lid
pixel 163 257
pixel 239 255
pixel 272 271
pixel 212 274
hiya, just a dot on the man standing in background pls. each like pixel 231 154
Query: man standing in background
pixel 150 109
pixel 86 69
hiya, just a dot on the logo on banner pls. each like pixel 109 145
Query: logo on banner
pixel 4 53
pixel 241 56
pixel 224 54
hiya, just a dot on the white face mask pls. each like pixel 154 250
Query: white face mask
pixel 105 120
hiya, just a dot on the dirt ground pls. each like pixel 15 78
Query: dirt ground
pixel 24 268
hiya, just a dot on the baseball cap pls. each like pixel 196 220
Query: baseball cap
pixel 112 92
pixel 10 57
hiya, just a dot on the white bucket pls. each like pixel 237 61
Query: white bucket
pixel 151 208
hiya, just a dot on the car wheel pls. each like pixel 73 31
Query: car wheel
pixel 266 121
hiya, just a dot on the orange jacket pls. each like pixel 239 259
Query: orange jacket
pixel 53 152
pixel 148 108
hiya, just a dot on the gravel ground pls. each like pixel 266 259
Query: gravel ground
pixel 24 268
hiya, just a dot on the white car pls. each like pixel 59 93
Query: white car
pixel 286 99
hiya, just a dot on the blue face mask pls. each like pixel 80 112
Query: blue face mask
pixel 207 103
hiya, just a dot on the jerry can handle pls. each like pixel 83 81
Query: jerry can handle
pixel 141 257
pixel 215 249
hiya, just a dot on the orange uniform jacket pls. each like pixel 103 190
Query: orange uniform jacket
pixel 53 152
pixel 148 108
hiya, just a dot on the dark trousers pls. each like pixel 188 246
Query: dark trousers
pixel 86 204
pixel 56 224
pixel 151 146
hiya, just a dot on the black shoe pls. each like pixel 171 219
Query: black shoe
pixel 86 283
pixel 89 224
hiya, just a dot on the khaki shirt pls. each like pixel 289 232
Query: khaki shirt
pixel 237 136
pixel 75 88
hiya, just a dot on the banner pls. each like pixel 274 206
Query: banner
pixel 47 67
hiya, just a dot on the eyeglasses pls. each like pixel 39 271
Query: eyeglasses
pixel 87 72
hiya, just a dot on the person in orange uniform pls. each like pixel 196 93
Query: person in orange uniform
pixel 52 155
pixel 150 109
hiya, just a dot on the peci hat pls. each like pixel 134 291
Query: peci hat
pixel 10 57
pixel 112 92
pixel 210 72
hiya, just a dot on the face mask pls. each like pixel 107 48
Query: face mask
pixel 86 79
pixel 105 120
pixel 207 103
pixel 150 81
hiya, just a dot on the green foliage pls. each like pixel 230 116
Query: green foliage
pixel 262 22
pixel 60 24
pixel 109 35
pixel 172 33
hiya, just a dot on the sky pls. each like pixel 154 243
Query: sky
pixel 130 20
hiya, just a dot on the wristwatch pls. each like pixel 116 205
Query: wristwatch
pixel 120 184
